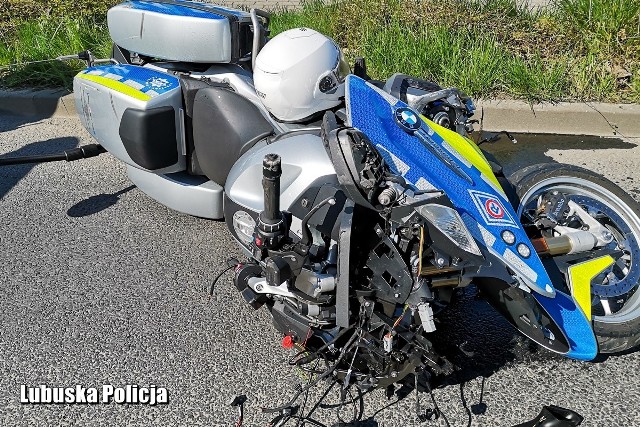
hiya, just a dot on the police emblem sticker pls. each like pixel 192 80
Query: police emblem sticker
pixel 494 209
pixel 491 209
pixel 408 120
pixel 158 83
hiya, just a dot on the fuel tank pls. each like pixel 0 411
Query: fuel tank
pixel 305 166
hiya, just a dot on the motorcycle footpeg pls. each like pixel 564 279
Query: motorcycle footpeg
pixel 254 300
pixel 554 416
pixel 244 273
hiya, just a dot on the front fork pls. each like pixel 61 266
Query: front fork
pixel 568 240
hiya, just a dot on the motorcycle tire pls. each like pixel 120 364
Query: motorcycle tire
pixel 617 331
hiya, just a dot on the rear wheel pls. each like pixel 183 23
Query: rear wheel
pixel 614 292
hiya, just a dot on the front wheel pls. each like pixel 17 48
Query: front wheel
pixel 614 292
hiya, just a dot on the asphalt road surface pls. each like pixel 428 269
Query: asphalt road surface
pixel 101 285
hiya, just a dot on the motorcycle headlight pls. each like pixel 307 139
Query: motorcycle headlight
pixel 449 222
pixel 244 226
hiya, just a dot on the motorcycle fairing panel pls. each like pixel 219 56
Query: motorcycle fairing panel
pixel 181 31
pixel 134 112
pixel 428 161
pixel 430 158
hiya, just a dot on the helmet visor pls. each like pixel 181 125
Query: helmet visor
pixel 336 76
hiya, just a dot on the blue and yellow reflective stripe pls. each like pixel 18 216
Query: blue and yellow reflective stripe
pixel 467 149
pixel 115 85
pixel 580 277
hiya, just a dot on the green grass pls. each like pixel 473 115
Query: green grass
pixel 571 51
pixel 45 39
pixel 603 25
pixel 537 79
pixel 574 50
pixel 456 57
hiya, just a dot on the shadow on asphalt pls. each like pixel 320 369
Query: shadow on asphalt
pixel 10 121
pixel 531 148
pixel 11 175
pixel 97 203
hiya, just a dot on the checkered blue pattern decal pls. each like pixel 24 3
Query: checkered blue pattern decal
pixel 150 82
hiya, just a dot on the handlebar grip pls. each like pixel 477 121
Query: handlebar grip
pixel 271 173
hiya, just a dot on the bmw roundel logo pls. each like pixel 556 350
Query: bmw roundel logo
pixel 408 119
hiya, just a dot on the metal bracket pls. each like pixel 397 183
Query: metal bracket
pixel 342 279
pixel 259 285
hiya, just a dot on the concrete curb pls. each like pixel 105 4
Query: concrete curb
pixel 38 103
pixel 565 118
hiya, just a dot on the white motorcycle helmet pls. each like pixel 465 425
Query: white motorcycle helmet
pixel 298 73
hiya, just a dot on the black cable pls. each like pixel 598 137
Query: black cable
pixel 307 420
pixel 360 398
pixel 310 371
pixel 465 405
pixel 435 406
pixel 319 402
pixel 293 361
pixel 480 408
pixel 360 406
pixel 384 408
pixel 307 239
pixel 306 395
pixel 328 372
pixel 32 159
pixel 239 402
pixel 232 262
pixel 240 417
pixel 314 355
pixel 429 413
pixel 343 404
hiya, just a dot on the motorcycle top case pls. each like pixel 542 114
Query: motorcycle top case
pixel 135 113
pixel 179 30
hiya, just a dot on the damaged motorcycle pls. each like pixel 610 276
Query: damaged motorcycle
pixel 361 205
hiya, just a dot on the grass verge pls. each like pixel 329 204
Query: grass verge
pixel 573 50
pixel 47 38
